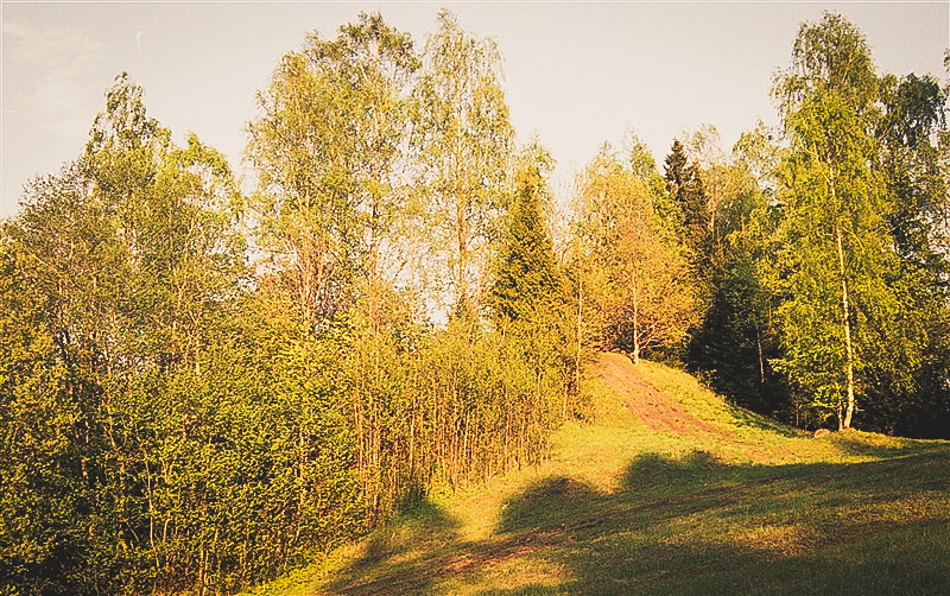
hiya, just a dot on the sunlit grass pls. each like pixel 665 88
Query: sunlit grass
pixel 751 508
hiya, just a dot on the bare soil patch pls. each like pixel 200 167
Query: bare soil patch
pixel 657 411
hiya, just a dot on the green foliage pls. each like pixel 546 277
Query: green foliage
pixel 174 421
pixel 329 148
pixel 732 346
pixel 620 508
pixel 908 133
pixel 692 218
pixel 635 271
pixel 862 194
pixel 466 142
pixel 41 494
pixel 449 407
pixel 526 278
pixel 833 247
pixel 164 434
pixel 497 396
pixel 736 340
pixel 905 395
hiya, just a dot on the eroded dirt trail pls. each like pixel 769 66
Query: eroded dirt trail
pixel 657 411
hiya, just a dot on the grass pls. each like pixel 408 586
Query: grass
pixel 746 506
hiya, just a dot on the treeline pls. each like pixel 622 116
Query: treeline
pixel 804 275
pixel 201 389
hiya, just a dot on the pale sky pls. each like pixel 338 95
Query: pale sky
pixel 577 74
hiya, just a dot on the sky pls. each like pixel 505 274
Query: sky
pixel 577 75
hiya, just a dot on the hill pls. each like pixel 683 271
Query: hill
pixel 669 490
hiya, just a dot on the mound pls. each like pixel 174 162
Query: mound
pixel 656 410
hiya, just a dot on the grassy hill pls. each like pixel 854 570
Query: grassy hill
pixel 669 490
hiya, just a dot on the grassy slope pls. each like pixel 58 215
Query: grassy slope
pixel 619 509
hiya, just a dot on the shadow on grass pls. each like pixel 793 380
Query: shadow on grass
pixel 697 526
pixel 548 505
pixel 743 417
pixel 651 471
pixel 411 550
pixel 692 525
pixel 870 445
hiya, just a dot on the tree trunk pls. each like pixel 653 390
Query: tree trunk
pixel 636 322
pixel 846 322
pixel 758 344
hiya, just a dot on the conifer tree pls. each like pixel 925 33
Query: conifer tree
pixel 732 346
pixel 685 185
pixel 526 277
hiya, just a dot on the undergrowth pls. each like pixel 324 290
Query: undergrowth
pixel 746 506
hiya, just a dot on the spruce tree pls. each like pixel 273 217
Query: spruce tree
pixel 526 277
pixel 685 185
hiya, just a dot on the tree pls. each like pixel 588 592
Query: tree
pixel 685 185
pixel 835 237
pixel 526 278
pixel 330 149
pixel 466 139
pixel 908 132
pixel 732 345
pixel 44 472
pixel 640 280
pixel 643 168
pixel 127 256
pixel 906 395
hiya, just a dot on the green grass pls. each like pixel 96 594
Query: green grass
pixel 754 508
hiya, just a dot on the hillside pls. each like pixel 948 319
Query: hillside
pixel 668 490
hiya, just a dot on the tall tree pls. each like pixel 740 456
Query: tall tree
pixel 909 131
pixel 335 152
pixel 129 255
pixel 905 395
pixel 330 148
pixel 685 186
pixel 466 136
pixel 834 230
pixel 736 338
pixel 526 278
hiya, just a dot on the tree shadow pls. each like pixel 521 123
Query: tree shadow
pixel 548 505
pixel 743 417
pixel 610 552
pixel 405 557
pixel 652 471
pixel 869 445
pixel 695 525
pixel 688 525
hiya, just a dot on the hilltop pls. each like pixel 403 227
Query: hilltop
pixel 667 489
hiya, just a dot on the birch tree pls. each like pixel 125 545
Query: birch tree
pixel 640 278
pixel 834 232
pixel 330 148
pixel 467 140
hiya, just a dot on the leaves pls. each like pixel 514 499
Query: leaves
pixel 175 421
pixel 466 138
pixel 853 226
pixel 640 279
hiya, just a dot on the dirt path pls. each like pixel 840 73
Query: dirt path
pixel 656 410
